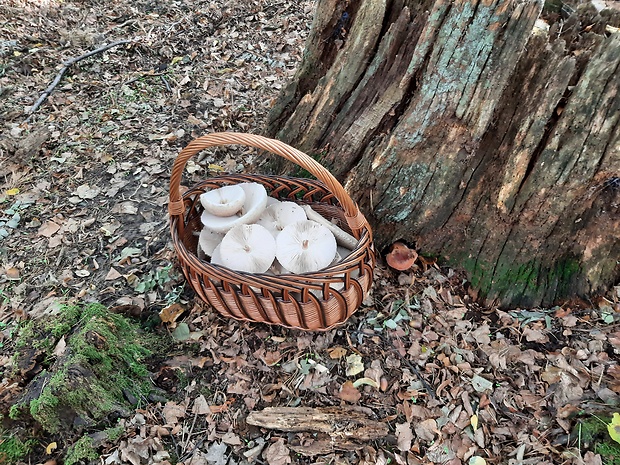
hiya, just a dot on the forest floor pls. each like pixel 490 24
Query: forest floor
pixel 84 189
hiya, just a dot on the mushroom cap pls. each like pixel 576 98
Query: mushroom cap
pixel 279 215
pixel 254 205
pixel 216 257
pixel 209 240
pixel 225 201
pixel 401 257
pixel 272 201
pixel 248 247
pixel 305 246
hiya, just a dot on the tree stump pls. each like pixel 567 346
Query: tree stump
pixel 460 127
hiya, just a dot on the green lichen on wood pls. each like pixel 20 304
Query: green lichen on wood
pixel 523 283
pixel 104 356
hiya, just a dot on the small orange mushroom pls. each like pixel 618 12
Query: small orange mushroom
pixel 401 257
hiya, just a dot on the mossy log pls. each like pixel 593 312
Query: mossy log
pixel 88 377
pixel 460 127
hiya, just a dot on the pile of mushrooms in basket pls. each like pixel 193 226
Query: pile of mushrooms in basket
pixel 246 230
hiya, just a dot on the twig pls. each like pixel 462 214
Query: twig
pixel 165 82
pixel 143 75
pixel 65 66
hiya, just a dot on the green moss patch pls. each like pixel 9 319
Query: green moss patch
pixel 592 434
pixel 87 380
pixel 13 449
pixel 83 449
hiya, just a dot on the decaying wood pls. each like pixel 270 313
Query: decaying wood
pixel 465 130
pixel 340 428
pixel 65 67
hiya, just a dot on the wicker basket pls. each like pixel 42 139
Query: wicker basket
pixel 311 301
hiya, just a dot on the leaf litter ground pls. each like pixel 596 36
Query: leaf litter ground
pixel 83 196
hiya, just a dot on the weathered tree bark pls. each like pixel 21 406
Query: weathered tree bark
pixel 333 428
pixel 460 127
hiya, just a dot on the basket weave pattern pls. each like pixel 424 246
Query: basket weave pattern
pixel 304 301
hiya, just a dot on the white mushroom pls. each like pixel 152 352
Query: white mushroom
pixel 216 258
pixel 254 205
pixel 272 201
pixel 208 241
pixel 248 247
pixel 277 216
pixel 343 252
pixel 305 246
pixel 342 237
pixel 225 201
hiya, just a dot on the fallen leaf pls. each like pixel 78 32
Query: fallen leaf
pixel 272 358
pixel 426 429
pixel 367 381
pixel 86 192
pixel 477 460
pixel 336 352
pixel 354 365
pixel 126 208
pixel 349 393
pixel 534 335
pixel 231 439
pixel 113 274
pixel 197 458
pixel 216 454
pixel 277 453
pixel 12 274
pixel 201 407
pixel 481 384
pixel 614 428
pixel 181 332
pixel 60 348
pixel 474 422
pixel 172 412
pixel 51 447
pixel 170 313
pixel 13 191
pixel 404 437
pixel 48 229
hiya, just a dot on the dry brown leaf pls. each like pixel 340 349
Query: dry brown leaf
pixel 534 335
pixel 277 453
pixel 201 407
pixel 404 437
pixel 172 412
pixel 113 274
pixel 12 274
pixel 336 352
pixel 349 393
pixel 272 358
pixel 426 430
pixel 48 229
pixel 170 313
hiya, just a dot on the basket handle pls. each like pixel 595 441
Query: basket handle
pixel 354 217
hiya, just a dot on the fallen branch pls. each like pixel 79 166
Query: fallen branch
pixel 65 66
pixel 331 428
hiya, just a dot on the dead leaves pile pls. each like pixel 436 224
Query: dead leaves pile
pixel 454 384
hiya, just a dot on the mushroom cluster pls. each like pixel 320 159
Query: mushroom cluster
pixel 246 230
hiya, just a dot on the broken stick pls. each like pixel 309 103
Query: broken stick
pixel 65 66
pixel 337 421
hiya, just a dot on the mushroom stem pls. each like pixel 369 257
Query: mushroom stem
pixel 343 238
